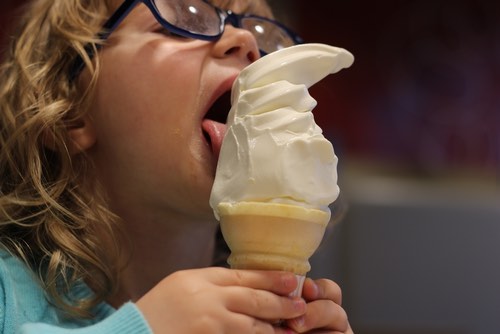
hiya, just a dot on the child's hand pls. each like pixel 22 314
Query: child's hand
pixel 324 309
pixel 218 300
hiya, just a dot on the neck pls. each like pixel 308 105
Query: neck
pixel 156 248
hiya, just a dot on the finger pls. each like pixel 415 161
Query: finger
pixel 263 304
pixel 278 282
pixel 244 324
pixel 284 330
pixel 321 314
pixel 322 289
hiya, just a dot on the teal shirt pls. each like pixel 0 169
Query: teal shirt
pixel 24 308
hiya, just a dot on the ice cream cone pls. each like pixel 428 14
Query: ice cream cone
pixel 272 236
pixel 273 149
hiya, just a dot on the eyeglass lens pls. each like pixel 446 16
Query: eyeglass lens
pixel 197 17
pixel 201 18
pixel 270 37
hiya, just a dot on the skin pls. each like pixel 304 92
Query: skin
pixel 144 134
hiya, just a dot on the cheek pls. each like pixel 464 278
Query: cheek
pixel 147 109
pixel 154 84
pixel 173 68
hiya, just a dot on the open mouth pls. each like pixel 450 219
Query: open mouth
pixel 220 109
pixel 214 123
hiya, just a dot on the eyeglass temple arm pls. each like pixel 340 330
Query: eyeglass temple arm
pixel 117 17
pixel 108 27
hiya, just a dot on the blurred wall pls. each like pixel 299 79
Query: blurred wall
pixel 7 16
pixel 423 90
pixel 416 124
pixel 416 255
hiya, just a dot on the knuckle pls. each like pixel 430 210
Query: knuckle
pixel 185 281
pixel 207 324
pixel 248 325
pixel 257 303
pixel 328 289
pixel 258 327
pixel 239 277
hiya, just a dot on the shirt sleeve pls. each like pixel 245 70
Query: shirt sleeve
pixel 2 303
pixel 126 320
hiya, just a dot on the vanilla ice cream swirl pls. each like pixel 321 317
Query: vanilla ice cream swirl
pixel 273 150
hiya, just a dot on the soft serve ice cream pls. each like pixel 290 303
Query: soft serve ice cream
pixel 273 150
pixel 276 174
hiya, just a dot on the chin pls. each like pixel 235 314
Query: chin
pixel 203 213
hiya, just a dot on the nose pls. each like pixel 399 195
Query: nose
pixel 237 42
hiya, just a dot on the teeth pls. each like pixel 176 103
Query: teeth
pixel 310 64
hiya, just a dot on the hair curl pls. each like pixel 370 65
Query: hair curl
pixel 48 215
pixel 53 215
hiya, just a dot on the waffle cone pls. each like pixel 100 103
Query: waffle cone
pixel 272 236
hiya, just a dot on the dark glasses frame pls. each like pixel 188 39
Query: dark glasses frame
pixel 126 7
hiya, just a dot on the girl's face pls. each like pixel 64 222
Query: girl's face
pixel 156 145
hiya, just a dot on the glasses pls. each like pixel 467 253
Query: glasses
pixel 199 19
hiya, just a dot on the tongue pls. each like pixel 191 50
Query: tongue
pixel 216 131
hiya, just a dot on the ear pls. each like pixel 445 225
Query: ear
pixel 82 136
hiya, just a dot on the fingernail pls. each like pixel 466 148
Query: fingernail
pixel 299 322
pixel 299 304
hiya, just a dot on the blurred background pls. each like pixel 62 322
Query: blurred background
pixel 415 238
pixel 416 125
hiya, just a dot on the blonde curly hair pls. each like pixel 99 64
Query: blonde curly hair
pixel 53 215
pixel 48 215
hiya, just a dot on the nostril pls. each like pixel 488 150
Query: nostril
pixel 237 42
pixel 252 56
pixel 232 50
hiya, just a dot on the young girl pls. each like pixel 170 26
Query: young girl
pixel 107 163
